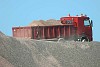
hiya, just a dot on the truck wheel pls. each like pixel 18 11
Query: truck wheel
pixel 61 40
pixel 84 40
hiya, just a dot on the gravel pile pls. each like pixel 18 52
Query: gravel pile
pixel 1 34
pixel 49 22
pixel 16 52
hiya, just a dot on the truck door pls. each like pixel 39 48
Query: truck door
pixel 88 29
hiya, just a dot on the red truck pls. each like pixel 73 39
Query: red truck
pixel 78 28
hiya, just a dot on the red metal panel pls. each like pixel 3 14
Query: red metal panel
pixel 44 32
pixel 64 31
pixel 53 32
pixel 48 32
pixel 41 32
pixel 34 35
pixel 58 31
pixel 69 31
pixel 23 32
pixel 18 33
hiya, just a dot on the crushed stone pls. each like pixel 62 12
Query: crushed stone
pixel 17 52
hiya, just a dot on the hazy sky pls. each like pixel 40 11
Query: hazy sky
pixel 22 12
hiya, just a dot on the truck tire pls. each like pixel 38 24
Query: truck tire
pixel 84 39
pixel 61 40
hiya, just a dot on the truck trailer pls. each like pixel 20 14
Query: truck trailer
pixel 77 28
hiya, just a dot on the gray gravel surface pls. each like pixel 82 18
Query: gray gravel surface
pixel 15 52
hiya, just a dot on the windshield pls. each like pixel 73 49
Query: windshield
pixel 86 23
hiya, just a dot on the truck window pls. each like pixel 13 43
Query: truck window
pixel 86 23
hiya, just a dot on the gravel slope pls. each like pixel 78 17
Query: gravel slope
pixel 16 52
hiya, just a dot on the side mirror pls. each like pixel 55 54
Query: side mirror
pixel 91 23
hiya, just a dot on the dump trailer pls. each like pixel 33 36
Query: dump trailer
pixel 78 28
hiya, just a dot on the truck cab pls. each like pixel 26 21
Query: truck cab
pixel 82 26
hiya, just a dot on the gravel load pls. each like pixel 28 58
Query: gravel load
pixel 49 22
pixel 15 52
